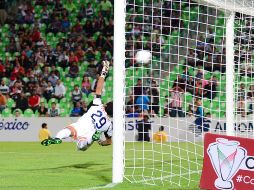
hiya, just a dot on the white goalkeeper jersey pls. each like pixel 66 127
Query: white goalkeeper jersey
pixel 97 118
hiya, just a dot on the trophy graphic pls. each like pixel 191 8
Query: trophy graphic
pixel 226 157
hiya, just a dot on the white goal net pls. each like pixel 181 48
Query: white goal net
pixel 199 80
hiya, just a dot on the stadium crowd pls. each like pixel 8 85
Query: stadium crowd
pixel 50 55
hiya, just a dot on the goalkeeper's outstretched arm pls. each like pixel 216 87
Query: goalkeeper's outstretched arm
pixel 101 79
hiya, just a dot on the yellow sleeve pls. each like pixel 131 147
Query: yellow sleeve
pixel 164 137
pixel 154 136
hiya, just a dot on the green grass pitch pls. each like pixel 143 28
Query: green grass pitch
pixel 30 166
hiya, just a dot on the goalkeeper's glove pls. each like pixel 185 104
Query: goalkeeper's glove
pixel 105 68
pixel 96 136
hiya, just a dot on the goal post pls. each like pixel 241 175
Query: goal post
pixel 230 74
pixel 198 80
pixel 118 91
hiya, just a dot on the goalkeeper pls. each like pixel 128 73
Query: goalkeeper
pixel 91 125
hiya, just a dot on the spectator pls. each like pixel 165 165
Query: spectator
pixel 241 94
pixel 55 70
pixel 241 106
pixel 180 82
pixel 34 101
pixel 143 102
pixel 15 90
pixel 199 112
pixel 90 55
pixel 2 69
pixel 59 91
pixel 176 101
pixel 250 96
pixel 48 92
pixel 44 132
pixel 161 136
pixel 143 129
pixel 86 85
pixel 53 79
pixel 80 53
pixel 4 88
pixel 36 35
pixel 77 110
pixel 210 90
pixel 53 111
pixel 38 89
pixel 63 60
pixel 21 102
pixel 130 104
pixel 83 108
pixel 45 15
pixel 3 102
pixel 73 58
pixel 203 123
pixel 190 84
pixel 89 11
pixel 55 26
pixel 198 90
pixel 77 28
pixel 100 41
pixel 17 113
pixel 154 93
pixel 105 6
pixel 191 58
pixel 18 70
pixel 73 71
pixel 76 95
pixel 88 28
pixel 185 74
pixel 65 24
pixel 133 112
pixel 138 89
pixel 167 107
pixel 190 110
pixel 43 111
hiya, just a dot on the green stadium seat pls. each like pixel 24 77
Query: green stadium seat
pixel 28 113
pixel 52 100
pixel 64 112
pixel 10 103
pixel 63 103
pixel 6 112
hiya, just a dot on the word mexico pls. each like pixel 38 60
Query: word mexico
pixel 14 125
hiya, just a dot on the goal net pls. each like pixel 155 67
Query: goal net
pixel 198 80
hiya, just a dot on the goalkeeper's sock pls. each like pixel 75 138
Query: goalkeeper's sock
pixel 64 133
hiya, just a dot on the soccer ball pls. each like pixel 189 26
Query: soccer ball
pixel 143 56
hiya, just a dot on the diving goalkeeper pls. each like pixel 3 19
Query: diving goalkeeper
pixel 91 125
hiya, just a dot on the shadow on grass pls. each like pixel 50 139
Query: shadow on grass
pixel 76 166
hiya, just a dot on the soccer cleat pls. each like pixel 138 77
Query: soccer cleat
pixel 50 141
pixel 96 136
pixel 105 68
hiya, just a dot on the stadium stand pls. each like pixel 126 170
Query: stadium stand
pixel 198 71
pixel 66 40
pixel 51 41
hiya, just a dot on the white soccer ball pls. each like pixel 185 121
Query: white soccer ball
pixel 143 56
